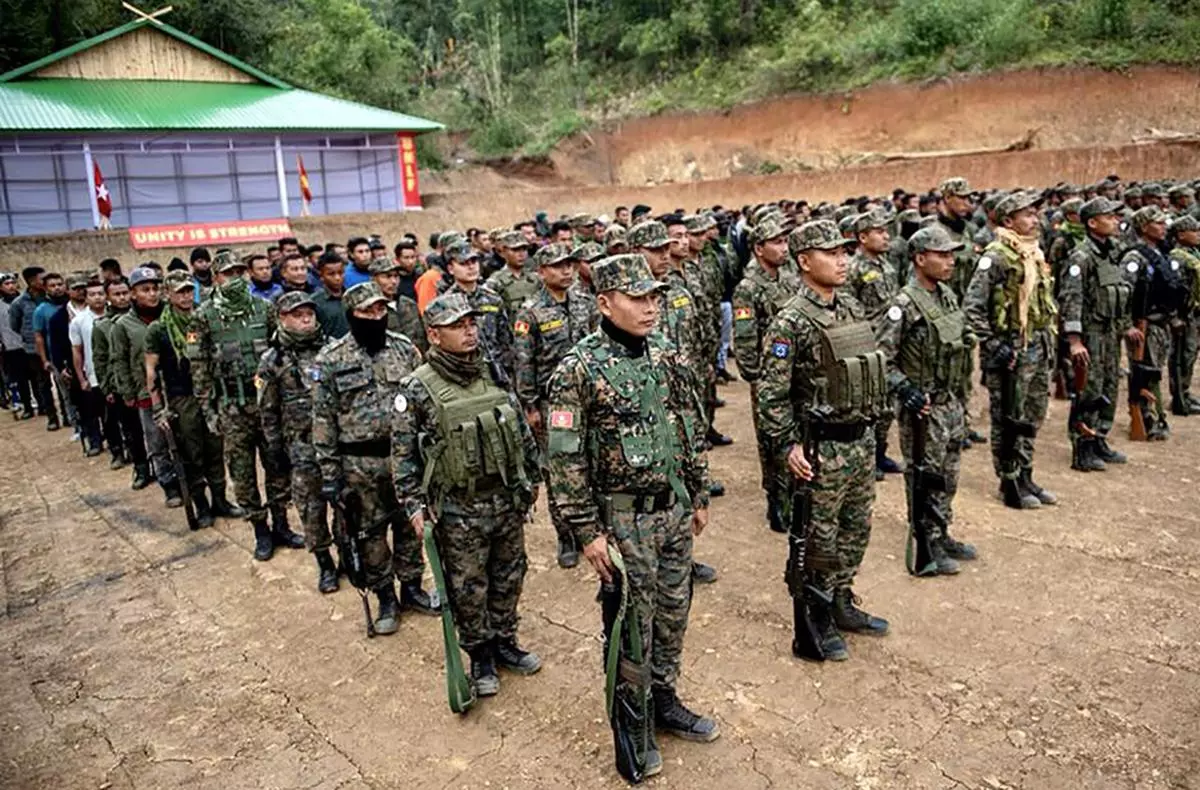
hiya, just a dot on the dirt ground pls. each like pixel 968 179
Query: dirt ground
pixel 139 655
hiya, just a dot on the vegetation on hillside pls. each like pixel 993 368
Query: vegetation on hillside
pixel 521 74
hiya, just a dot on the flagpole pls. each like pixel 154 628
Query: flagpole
pixel 90 168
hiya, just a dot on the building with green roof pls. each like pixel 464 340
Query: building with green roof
pixel 181 133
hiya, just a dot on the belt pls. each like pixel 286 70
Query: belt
pixel 840 431
pixel 371 448
pixel 640 503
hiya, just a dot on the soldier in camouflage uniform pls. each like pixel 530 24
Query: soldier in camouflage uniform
pixel 806 386
pixel 703 274
pixel 1182 197
pixel 1186 232
pixel 474 486
pixel 232 331
pixel 1010 308
pixel 615 240
pixel 285 407
pixel 552 321
pixel 517 281
pixel 169 378
pixel 872 282
pixel 495 327
pixel 626 472
pixel 1095 297
pixel 924 336
pixel 762 293
pixel 357 379
pixel 403 316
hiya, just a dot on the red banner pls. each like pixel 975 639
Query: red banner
pixel 208 233
pixel 407 150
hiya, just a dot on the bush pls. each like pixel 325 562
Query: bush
pixel 500 135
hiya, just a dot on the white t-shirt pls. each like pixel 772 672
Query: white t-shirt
pixel 80 331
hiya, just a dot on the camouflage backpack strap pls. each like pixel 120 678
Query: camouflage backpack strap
pixel 441 391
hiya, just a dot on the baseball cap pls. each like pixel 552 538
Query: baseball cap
pixel 294 300
pixel 957 186
pixel 226 260
pixel 588 251
pixel 177 281
pixel 144 274
pixel 1097 206
pixel 383 266
pixel 512 239
pixel 651 234
pixel 820 234
pixel 629 274
pixel 447 309
pixel 1017 201
pixel 362 295
pixel 1147 214
pixel 935 238
pixel 770 227
pixel 554 253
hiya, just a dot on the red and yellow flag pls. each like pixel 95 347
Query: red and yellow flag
pixel 305 190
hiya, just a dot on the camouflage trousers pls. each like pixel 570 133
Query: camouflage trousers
pixel 560 527
pixel 482 547
pixel 1032 400
pixel 882 426
pixel 203 451
pixel 945 430
pixel 1099 397
pixel 371 478
pixel 774 478
pixel 1158 353
pixel 244 443
pixel 1187 364
pixel 843 497
pixel 306 496
pixel 657 549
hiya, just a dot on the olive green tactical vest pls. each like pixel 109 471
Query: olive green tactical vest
pixel 517 291
pixel 480 436
pixel 239 342
pixel 943 362
pixel 1114 293
pixel 853 370
pixel 1191 261
pixel 1043 312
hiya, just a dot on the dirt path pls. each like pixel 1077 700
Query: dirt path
pixel 139 655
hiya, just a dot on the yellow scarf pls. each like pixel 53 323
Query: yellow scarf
pixel 1033 262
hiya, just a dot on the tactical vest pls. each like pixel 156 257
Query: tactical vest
pixel 1191 263
pixel 1043 312
pixel 1114 293
pixel 943 362
pixel 517 291
pixel 238 344
pixel 480 445
pixel 853 371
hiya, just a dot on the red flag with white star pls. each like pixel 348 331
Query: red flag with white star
pixel 103 198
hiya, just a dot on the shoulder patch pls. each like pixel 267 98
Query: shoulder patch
pixel 489 308
pixel 401 404
pixel 1074 270
pixel 314 374
pixel 1131 267
pixel 985 263
pixel 520 328
pixel 680 301
pixel 895 313
pixel 1174 265
pixel 869 276
pixel 781 347
pixel 742 314
pixel 551 325
pixel 193 337
pixel 564 420
pixel 259 383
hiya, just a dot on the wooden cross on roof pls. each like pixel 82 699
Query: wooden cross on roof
pixel 152 17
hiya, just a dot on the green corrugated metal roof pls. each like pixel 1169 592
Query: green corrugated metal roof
pixel 54 105
pixel 162 27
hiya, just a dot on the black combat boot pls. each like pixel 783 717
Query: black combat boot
pixel 717 439
pixel 172 494
pixel 703 574
pixel 774 516
pixel 1042 495
pixel 848 617
pixel 975 437
pixel 222 507
pixel 1159 432
pixel 956 549
pixel 1107 454
pixel 483 670
pixel 944 564
pixel 568 551
pixel 1179 408
pixel 716 488
pixel 281 532
pixel 204 516
pixel 264 547
pixel 141 477
pixel 415 598
pixel 672 717
pixel 327 575
pixel 1085 455
pixel 387 620
pixel 883 464
pixel 52 424
pixel 118 460
pixel 1015 496
pixel 510 656
pixel 833 644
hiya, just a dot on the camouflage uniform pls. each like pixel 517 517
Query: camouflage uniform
pixel 1189 261
pixel 477 495
pixel 514 287
pixel 403 316
pixel 495 327
pixel 287 374
pixel 352 402
pixel 624 464
pixel 965 261
pixel 702 273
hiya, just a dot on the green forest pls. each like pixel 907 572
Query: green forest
pixel 519 75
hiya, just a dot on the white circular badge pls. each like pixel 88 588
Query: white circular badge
pixel 895 313
pixel 1131 267
pixel 1174 266
pixel 985 264
pixel 1074 270
pixel 401 404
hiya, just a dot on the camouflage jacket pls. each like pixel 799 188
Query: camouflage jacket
pixel 599 441
pixel 964 260
pixel 989 303
pixel 285 387
pixel 405 319
pixel 872 281
pixel 903 333
pixel 212 372
pixel 543 333
pixel 704 283
pixel 354 395
pixel 1079 289
pixel 756 301
pixel 495 327
pixel 1188 258
pixel 515 288
pixel 679 319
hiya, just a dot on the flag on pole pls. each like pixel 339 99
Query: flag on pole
pixel 305 190
pixel 103 198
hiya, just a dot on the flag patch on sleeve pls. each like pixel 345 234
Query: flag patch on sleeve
pixel 743 313
pixel 780 348
pixel 520 328
pixel 562 419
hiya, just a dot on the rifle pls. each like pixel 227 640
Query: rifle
pixel 924 482
pixel 176 460
pixel 1142 379
pixel 348 532
pixel 806 641
pixel 499 374
pixel 1011 430
pixel 459 690
pixel 1076 385
pixel 626 680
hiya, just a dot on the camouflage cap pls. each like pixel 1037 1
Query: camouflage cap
pixel 1147 215
pixel 615 235
pixel 553 254
pixel 383 266
pixel 226 260
pixel 651 235
pixel 927 220
pixel 1098 206
pixel 461 252
pixel 589 251
pixel 759 213
pixel 144 274
pixel 910 215
pixel 450 237
pixel 841 212
pixel 956 186
pixel 177 281
pixel 1181 190
pixel 699 223
pixel 77 281
pixel 581 220
pixel 869 220
pixel 294 300
pixel 512 239
pixel 1153 189
pixel 846 226
pixel 1185 223
pixel 1133 192
pixel 935 238
pixel 1072 206
pixel 821 234
pixel 629 274
pixel 991 201
pixel 772 227
pixel 1017 201
pixel 447 309
pixel 362 295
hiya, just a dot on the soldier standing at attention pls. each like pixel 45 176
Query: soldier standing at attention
pixel 286 373
pixel 626 476
pixel 550 323
pixel 1186 252
pixel 402 313
pixel 873 282
pixel 495 328
pixel 823 380
pixel 463 453
pixel 517 281
pixel 357 380
pixel 233 330
pixel 925 338
pixel 761 294
pixel 1010 308
pixel 707 285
